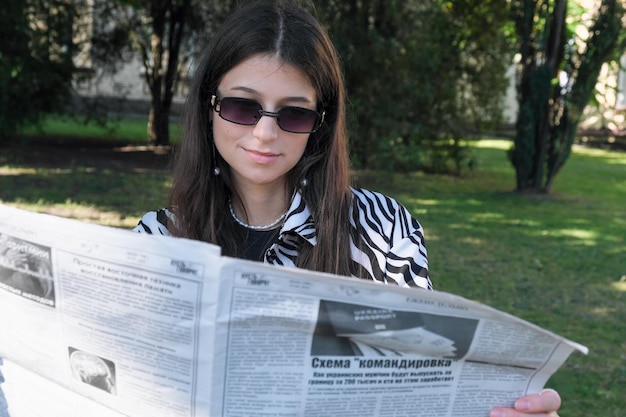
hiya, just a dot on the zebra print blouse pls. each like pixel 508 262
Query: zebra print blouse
pixel 392 242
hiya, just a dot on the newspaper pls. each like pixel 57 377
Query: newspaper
pixel 98 321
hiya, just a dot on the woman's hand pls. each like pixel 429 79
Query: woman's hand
pixel 544 404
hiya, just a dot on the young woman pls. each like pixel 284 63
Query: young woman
pixel 263 170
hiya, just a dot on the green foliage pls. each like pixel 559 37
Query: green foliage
pixel 550 111
pixel 36 66
pixel 418 74
pixel 164 35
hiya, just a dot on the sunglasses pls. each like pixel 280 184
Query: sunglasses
pixel 243 111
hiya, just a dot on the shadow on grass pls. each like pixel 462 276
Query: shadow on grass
pixel 553 260
pixel 102 184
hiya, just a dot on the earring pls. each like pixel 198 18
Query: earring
pixel 304 182
pixel 216 170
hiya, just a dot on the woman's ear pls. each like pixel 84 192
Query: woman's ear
pixel 210 109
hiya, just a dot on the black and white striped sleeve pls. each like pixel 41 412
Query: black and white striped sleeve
pixel 391 242
pixel 154 223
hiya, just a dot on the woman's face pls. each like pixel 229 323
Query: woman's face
pixel 263 153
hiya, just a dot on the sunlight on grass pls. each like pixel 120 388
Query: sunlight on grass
pixel 587 151
pixel 420 207
pixel 453 226
pixel 584 237
pixel 556 260
pixel 578 234
pixel 504 145
pixel 621 284
pixel 94 195
pixel 602 311
pixel 523 222
pixel 473 241
pixel 493 144
pixel 487 216
pixel 10 171
pixel 551 259
pixel 77 211
pixel 425 202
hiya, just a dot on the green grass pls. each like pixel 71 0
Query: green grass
pixel 122 131
pixel 102 196
pixel 558 261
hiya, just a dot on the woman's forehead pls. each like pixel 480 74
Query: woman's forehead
pixel 264 74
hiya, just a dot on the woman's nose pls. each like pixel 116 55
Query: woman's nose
pixel 266 128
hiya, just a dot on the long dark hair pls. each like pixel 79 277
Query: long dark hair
pixel 199 199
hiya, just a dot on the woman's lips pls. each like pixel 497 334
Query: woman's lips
pixel 261 157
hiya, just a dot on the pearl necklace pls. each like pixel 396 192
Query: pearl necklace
pixel 249 226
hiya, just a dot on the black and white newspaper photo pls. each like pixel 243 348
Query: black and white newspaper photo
pixel 26 269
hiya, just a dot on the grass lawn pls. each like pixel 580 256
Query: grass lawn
pixel 123 131
pixel 558 261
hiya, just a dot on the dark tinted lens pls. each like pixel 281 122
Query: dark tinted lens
pixel 297 119
pixel 240 110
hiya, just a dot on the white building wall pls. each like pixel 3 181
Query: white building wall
pixel 128 82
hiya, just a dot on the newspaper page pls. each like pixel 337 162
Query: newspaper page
pixel 105 322
pixel 106 314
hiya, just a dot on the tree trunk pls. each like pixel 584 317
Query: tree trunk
pixel 168 23
pixel 549 114
pixel 158 125
pixel 527 88
pixel 553 58
pixel 540 64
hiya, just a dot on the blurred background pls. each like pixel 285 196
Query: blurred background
pixel 499 123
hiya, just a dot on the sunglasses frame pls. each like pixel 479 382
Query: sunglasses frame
pixel 216 106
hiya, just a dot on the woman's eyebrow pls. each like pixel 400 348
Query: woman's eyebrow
pixel 245 89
